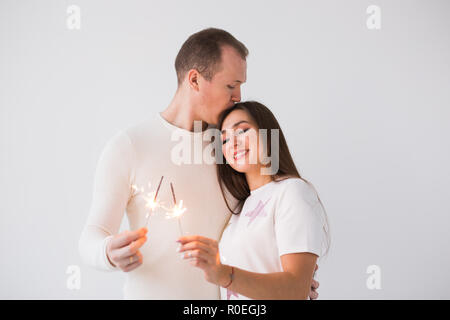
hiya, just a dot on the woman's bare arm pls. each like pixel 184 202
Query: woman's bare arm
pixel 293 283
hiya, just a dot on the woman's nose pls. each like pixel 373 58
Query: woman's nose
pixel 238 141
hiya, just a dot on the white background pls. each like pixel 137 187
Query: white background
pixel 365 112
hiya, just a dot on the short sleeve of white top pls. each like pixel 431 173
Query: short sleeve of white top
pixel 278 218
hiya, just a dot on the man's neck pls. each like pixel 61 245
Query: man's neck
pixel 181 112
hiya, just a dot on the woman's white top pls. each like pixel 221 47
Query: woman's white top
pixel 277 219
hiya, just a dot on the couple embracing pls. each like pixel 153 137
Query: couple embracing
pixel 253 232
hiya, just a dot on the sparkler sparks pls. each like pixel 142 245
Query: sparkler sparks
pixel 151 203
pixel 177 210
pixel 150 200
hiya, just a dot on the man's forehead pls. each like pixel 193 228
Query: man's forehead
pixel 233 68
pixel 233 76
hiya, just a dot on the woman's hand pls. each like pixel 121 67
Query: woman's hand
pixel 313 294
pixel 204 254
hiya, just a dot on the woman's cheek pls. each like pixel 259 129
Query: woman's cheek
pixel 252 144
pixel 226 153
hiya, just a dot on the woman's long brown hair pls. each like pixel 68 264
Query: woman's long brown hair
pixel 235 183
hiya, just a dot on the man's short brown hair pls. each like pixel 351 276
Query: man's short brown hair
pixel 203 51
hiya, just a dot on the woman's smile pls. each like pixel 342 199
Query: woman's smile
pixel 239 154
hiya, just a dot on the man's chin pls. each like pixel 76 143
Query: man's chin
pixel 214 122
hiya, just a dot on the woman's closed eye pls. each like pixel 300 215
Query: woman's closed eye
pixel 241 131
pixel 238 131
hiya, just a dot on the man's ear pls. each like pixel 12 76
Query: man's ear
pixel 193 78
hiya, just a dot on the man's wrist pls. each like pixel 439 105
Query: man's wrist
pixel 108 260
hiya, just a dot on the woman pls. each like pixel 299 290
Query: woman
pixel 277 229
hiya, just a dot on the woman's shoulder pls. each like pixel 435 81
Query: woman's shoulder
pixel 297 188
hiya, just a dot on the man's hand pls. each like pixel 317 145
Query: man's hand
pixel 123 249
pixel 313 294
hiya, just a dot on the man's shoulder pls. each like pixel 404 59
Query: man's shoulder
pixel 146 132
pixel 148 129
pixel 147 122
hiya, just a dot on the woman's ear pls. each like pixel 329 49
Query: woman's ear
pixel 193 77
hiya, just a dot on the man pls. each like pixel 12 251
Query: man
pixel 211 67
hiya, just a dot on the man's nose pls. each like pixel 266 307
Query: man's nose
pixel 236 95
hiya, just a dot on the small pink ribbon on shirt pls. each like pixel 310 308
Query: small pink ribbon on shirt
pixel 257 212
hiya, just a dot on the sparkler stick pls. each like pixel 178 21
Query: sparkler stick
pixel 152 204
pixel 177 210
pixel 159 186
pixel 173 194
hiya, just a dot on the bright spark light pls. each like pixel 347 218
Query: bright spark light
pixel 176 212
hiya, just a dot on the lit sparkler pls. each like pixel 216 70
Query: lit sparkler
pixel 150 200
pixel 177 210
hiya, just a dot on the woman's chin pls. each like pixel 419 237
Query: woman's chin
pixel 242 168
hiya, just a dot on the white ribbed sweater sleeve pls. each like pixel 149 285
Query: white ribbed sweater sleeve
pixel 112 191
